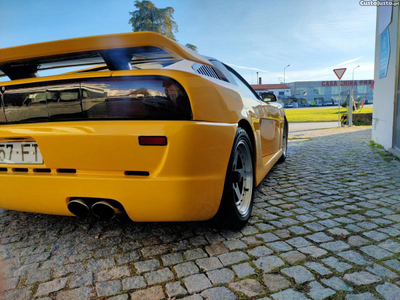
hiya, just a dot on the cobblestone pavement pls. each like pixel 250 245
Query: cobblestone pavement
pixel 326 224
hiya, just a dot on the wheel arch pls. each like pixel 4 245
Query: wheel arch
pixel 249 130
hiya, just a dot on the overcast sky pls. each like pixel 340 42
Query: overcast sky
pixel 312 36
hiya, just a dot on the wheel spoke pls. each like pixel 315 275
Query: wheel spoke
pixel 237 192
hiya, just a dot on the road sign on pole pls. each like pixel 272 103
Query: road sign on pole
pixel 339 73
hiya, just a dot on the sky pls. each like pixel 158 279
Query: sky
pixel 313 37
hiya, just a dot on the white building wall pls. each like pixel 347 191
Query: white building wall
pixel 385 88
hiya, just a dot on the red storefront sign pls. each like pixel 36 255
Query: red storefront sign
pixel 347 82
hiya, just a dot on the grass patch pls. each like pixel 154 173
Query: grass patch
pixel 318 114
pixel 386 156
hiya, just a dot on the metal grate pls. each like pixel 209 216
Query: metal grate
pixel 205 70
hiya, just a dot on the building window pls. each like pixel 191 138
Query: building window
pixel 319 90
pixel 301 91
pixel 281 93
pixel 334 90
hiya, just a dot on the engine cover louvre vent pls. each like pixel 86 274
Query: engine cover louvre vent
pixel 205 70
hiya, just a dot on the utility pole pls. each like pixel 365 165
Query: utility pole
pixel 257 78
pixel 284 84
pixel 350 108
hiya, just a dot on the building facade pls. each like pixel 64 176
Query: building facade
pixel 319 93
pixel 386 113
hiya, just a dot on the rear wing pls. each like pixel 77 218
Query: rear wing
pixel 117 51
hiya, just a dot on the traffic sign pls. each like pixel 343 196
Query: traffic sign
pixel 339 72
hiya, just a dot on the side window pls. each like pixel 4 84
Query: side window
pixel 240 82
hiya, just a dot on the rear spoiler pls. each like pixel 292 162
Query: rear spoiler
pixel 115 50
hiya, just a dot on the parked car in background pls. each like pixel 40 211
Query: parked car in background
pixel 150 128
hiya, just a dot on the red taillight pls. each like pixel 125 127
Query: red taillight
pixel 153 140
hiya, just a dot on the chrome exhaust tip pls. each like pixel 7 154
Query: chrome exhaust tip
pixel 104 210
pixel 78 208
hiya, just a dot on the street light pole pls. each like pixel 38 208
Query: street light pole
pixel 284 83
pixel 350 108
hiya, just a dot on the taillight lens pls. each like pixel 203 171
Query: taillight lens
pixel 119 98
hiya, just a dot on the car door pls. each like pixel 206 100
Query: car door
pixel 269 116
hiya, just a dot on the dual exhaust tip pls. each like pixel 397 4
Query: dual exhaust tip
pixel 103 209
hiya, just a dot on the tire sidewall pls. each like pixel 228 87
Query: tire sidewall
pixel 227 202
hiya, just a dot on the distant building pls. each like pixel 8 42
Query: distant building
pixel 280 90
pixel 319 93
pixel 386 114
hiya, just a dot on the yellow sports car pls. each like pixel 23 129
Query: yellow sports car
pixel 143 126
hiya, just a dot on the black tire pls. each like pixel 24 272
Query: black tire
pixel 231 213
pixel 284 142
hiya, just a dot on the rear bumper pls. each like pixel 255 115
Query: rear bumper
pixel 185 181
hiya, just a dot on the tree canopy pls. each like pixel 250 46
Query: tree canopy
pixel 148 17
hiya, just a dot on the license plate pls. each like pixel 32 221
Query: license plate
pixel 20 153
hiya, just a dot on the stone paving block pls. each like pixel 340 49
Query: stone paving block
pixel 171 259
pixel 356 240
pixel 288 294
pixel 243 270
pixel 275 282
pixel 336 264
pixel 51 286
pixel 81 280
pixel 209 263
pixel 319 237
pixel 175 289
pixel 299 230
pixel 221 276
pixel 78 293
pixel 260 251
pixel 313 251
pixel 314 226
pixel 194 254
pixel 376 252
pixel 268 237
pixel 299 274
pixel 114 273
pixel 381 271
pixel 362 278
pixel 391 246
pixel 147 265
pixel 186 269
pixel 389 291
pixel 134 283
pixel 248 287
pixel 235 245
pixel 282 233
pixel 216 293
pixel 337 284
pixel 318 292
pixel 108 288
pixel 355 258
pixel 159 276
pixel 298 242
pixel 393 263
pixel 363 296
pixel 375 235
pixel 153 293
pixel 293 257
pixel 216 249
pixel 268 263
pixel 336 246
pixel 99 264
pixel 319 268
pixel 280 246
pixel 38 276
pixel 197 283
pixel 232 258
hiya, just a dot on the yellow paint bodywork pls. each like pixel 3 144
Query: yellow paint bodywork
pixel 186 177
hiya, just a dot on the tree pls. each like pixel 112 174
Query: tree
pixel 148 17
pixel 190 46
